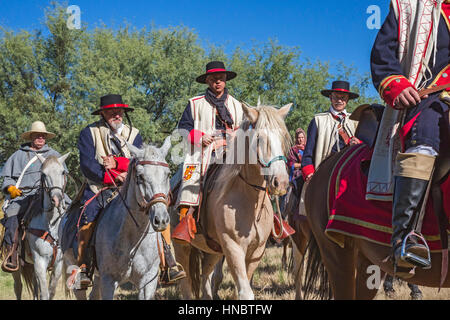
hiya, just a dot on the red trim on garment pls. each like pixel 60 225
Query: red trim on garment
pixel 122 164
pixel 195 136
pixel 391 88
pixel 307 170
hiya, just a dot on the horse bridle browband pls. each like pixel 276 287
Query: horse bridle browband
pixel 49 189
pixel 158 197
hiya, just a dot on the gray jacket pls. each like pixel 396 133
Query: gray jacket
pixel 31 178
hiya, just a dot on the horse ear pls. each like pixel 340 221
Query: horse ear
pixel 259 101
pixel 251 113
pixel 63 158
pixel 41 158
pixel 283 111
pixel 166 146
pixel 135 151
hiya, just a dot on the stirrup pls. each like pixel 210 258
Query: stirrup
pixel 413 258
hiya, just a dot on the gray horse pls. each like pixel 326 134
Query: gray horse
pixel 127 235
pixel 41 232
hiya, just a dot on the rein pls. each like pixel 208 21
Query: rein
pixel 273 199
pixel 157 198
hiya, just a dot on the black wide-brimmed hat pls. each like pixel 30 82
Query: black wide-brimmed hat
pixel 215 67
pixel 112 101
pixel 340 86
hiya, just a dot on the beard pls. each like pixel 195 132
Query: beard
pixel 115 125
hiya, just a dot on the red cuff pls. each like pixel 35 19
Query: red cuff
pixel 392 86
pixel 307 170
pixel 359 141
pixel 122 164
pixel 195 136
pixel 111 174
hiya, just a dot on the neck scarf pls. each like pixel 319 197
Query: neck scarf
pixel 219 104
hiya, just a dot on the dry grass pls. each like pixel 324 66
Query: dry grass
pixel 270 282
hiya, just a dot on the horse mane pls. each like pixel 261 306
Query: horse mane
pixel 268 119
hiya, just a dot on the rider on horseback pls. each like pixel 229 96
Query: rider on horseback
pixel 329 131
pixel 104 159
pixel 399 74
pixel 22 178
pixel 215 110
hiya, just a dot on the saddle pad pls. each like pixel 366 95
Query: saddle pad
pixel 350 214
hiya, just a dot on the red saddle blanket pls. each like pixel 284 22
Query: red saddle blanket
pixel 350 214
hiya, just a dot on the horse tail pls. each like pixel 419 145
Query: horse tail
pixel 316 282
pixel 194 271
pixel 27 272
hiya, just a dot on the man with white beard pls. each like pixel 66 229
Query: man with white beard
pixel 104 159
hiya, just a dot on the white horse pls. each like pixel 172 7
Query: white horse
pixel 127 235
pixel 42 231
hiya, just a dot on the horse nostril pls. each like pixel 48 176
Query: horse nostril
pixel 157 221
pixel 276 183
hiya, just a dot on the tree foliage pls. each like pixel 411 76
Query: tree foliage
pixel 58 75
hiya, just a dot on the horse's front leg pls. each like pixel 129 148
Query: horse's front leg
pixel 56 275
pixel 208 264
pixel 235 257
pixel 182 253
pixel 107 287
pixel 95 292
pixel 147 287
pixel 40 270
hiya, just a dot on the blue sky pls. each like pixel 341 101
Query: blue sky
pixel 327 30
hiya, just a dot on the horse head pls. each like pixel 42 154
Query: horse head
pixel 270 144
pixel 150 177
pixel 53 182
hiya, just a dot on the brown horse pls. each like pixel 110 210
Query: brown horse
pixel 299 239
pixel 346 269
pixel 239 212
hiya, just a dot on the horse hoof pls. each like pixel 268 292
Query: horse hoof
pixel 391 294
pixel 416 296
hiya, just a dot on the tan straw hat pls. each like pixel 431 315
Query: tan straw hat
pixel 38 127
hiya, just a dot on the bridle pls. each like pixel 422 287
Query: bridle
pixel 158 197
pixel 268 164
pixel 50 189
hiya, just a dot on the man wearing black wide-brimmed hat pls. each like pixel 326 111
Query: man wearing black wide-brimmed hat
pixel 203 122
pixel 104 159
pixel 330 131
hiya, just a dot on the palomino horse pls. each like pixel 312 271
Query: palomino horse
pixel 42 230
pixel 239 212
pixel 127 234
pixel 346 268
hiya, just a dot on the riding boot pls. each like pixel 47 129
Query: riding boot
pixel 171 271
pixel 11 261
pixel 413 172
pixel 84 235
pixel 186 228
